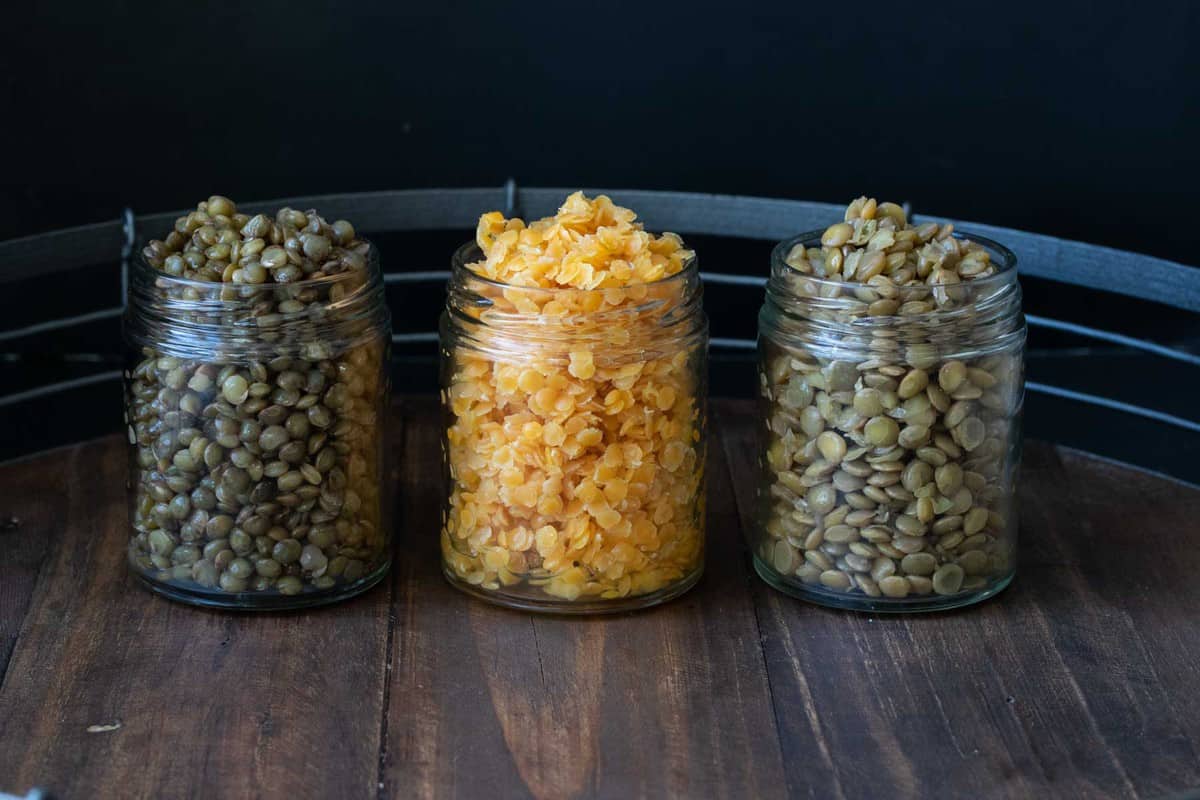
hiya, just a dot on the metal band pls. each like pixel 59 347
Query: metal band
pixel 61 386
pixel 129 229
pixel 1034 320
pixel 1115 405
pixel 708 277
pixel 1076 263
pixel 728 344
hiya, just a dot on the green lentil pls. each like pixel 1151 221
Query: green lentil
pixel 891 468
pixel 948 579
pixel 882 431
pixel 289 585
pixel 285 444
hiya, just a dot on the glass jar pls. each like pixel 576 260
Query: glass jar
pixel 255 418
pixel 575 441
pixel 891 443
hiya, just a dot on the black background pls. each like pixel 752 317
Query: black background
pixel 1075 119
pixel 1079 120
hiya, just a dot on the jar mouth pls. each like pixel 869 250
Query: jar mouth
pixel 470 252
pixel 633 319
pixel 811 312
pixel 193 318
pixel 140 268
pixel 1004 259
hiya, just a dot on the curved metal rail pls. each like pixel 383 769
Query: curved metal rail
pixel 1077 263
pixel 1041 256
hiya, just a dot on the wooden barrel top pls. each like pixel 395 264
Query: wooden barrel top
pixel 1078 681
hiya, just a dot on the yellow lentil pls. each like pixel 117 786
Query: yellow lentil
pixel 576 462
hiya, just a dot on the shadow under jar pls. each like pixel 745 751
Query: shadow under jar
pixel 575 441
pixel 255 417
pixel 891 442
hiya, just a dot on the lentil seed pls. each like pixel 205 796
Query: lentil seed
pixel 894 586
pixel 835 579
pixel 919 563
pixel 948 579
pixel 882 431
pixel 832 447
pixel 900 448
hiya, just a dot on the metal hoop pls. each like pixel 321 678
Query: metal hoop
pixel 1074 263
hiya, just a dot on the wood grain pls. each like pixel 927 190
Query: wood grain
pixel 1077 682
pixel 1045 691
pixel 24 539
pixel 112 691
pixel 671 701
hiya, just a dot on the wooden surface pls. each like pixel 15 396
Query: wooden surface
pixel 1079 681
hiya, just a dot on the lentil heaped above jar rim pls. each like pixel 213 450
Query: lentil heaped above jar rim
pixel 255 405
pixel 556 342
pixel 891 385
pixel 873 256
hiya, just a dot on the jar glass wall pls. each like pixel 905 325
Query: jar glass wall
pixel 891 441
pixel 255 418
pixel 575 441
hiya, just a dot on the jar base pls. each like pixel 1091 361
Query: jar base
pixel 877 605
pixel 572 607
pixel 262 601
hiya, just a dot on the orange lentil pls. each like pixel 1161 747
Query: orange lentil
pixel 576 463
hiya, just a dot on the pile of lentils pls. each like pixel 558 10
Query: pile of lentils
pixel 877 248
pixel 216 243
pixel 259 473
pixel 886 476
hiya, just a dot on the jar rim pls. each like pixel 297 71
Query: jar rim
pixel 139 263
pixel 459 267
pixel 1007 268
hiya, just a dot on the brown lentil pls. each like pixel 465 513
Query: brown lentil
pixel 908 445
pixel 253 474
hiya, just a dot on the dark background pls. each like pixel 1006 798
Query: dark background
pixel 1071 119
pixel 1075 119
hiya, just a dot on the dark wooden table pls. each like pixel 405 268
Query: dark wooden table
pixel 1081 680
